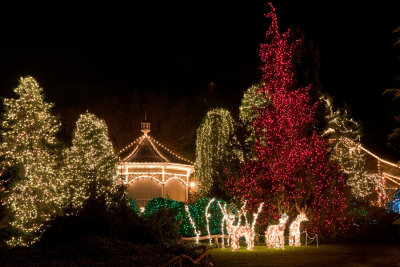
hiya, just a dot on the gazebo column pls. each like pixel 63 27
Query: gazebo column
pixel 187 187
pixel 126 174
pixel 163 183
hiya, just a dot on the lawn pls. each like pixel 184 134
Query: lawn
pixel 325 255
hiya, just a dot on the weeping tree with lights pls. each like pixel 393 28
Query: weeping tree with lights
pixel 29 150
pixel 343 137
pixel 292 167
pixel 213 153
pixel 90 169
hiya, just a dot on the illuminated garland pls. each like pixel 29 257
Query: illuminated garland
pixel 151 140
pixel 170 151
pixel 211 146
pixel 90 164
pixel 28 140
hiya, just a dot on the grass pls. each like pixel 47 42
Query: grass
pixel 325 255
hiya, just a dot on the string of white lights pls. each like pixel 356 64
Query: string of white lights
pixel 208 216
pixel 391 176
pixel 130 145
pixel 393 180
pixel 176 155
pixel 134 151
pixel 141 138
pixel 155 148
pixel 311 238
pixel 197 233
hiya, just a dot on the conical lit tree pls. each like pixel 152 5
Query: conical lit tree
pixel 212 140
pixel 343 135
pixel 28 146
pixel 90 164
pixel 292 167
pixel 394 136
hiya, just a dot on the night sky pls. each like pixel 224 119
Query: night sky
pixel 183 49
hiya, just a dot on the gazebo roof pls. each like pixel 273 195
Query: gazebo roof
pixel 146 149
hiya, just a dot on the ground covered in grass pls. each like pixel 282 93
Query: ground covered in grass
pixel 98 251
pixel 324 255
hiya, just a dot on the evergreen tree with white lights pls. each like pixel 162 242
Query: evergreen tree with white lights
pixel 394 136
pixel 28 146
pixel 90 167
pixel 343 135
pixel 212 143
pixel 251 103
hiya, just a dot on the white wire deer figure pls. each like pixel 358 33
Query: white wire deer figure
pixel 237 231
pixel 274 235
pixel 294 228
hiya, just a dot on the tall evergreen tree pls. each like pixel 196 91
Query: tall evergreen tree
pixel 292 167
pixel 394 136
pixel 90 169
pixel 212 151
pixel 343 138
pixel 28 146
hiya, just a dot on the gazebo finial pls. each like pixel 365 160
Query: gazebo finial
pixel 145 125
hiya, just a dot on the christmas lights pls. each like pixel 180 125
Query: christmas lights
pixel 197 232
pixel 274 235
pixel 251 103
pixel 90 164
pixel 223 221
pixel 237 231
pixel 343 135
pixel 197 213
pixel 394 204
pixel 207 216
pixel 211 146
pixel 292 165
pixel 133 167
pixel 28 139
pixel 294 229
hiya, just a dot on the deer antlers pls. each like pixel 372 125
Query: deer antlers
pixel 303 209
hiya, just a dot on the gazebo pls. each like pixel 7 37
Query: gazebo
pixel 151 170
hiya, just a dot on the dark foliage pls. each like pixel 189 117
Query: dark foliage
pixel 133 206
pixel 96 220
pixel 96 251
pixel 372 225
pixel 163 226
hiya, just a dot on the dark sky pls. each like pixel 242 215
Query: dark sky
pixel 181 48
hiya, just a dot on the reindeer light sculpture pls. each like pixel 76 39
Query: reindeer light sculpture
pixel 237 231
pixel 294 228
pixel 274 235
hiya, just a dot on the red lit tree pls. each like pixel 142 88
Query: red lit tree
pixel 292 166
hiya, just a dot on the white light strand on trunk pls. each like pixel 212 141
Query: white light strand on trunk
pixel 193 225
pixel 208 215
